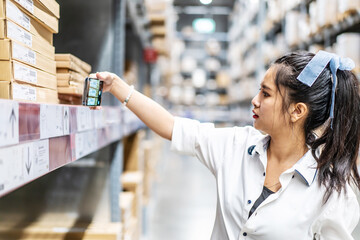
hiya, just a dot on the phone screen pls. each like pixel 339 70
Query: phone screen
pixel 92 92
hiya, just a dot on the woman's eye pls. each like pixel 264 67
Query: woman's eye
pixel 265 94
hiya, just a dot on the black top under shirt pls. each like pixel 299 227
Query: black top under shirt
pixel 265 193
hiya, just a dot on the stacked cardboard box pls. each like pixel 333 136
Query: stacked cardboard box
pixel 71 73
pixel 132 181
pixel 27 55
pixel 127 201
pixel 53 225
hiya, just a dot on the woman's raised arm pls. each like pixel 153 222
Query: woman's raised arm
pixel 151 113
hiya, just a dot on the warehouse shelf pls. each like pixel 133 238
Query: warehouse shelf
pixel 348 23
pixel 36 139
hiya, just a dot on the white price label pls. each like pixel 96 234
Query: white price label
pixel 17 33
pixel 23 54
pixel 84 119
pixel 85 142
pixel 22 163
pixel 27 4
pixel 24 92
pixel 51 121
pixel 24 73
pixel 17 15
pixel 9 123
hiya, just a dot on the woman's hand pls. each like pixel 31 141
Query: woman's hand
pixel 108 78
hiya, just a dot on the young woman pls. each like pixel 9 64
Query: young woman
pixel 292 183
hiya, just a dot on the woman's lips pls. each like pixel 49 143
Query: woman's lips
pixel 255 116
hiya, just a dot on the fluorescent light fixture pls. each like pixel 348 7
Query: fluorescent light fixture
pixel 206 2
pixel 204 25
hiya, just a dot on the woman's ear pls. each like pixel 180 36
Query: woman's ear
pixel 298 112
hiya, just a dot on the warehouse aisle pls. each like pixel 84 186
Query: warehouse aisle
pixel 184 199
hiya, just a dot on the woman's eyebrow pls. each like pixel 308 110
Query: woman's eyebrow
pixel 265 87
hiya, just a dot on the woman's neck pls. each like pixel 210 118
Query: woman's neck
pixel 287 148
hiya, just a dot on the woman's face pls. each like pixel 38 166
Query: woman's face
pixel 267 113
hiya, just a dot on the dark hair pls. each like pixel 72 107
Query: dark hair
pixel 340 144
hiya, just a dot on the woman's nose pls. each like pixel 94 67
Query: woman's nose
pixel 255 101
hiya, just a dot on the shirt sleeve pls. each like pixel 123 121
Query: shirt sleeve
pixel 203 140
pixel 339 220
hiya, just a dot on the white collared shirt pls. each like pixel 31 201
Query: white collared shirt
pixel 237 158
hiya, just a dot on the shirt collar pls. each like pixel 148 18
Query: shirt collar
pixel 306 167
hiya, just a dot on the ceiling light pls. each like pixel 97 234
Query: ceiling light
pixel 204 25
pixel 206 2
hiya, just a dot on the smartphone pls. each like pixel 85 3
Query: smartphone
pixel 93 89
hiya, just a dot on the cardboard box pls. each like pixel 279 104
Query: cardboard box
pixel 68 83
pixel 10 50
pixel 70 76
pixel 67 57
pixel 71 66
pixel 11 71
pixel 12 31
pixel 27 93
pixel 10 10
pixel 58 231
pixel 70 99
pixel 38 12
pixel 71 90
pixel 52 6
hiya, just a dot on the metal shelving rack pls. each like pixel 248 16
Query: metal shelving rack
pixel 37 139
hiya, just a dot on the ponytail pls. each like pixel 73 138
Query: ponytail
pixel 340 144
pixel 339 141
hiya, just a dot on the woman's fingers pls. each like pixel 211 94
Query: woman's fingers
pixel 92 75
pixel 96 108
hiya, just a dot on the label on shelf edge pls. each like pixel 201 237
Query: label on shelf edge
pixel 9 123
pixel 23 73
pixel 22 163
pixel 51 121
pixel 17 15
pixel 17 33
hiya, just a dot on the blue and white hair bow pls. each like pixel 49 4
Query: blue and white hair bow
pixel 315 67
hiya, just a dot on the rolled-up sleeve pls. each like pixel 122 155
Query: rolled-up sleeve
pixel 202 140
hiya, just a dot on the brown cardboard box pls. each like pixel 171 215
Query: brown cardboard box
pixel 10 50
pixel 67 57
pixel 27 93
pixel 126 206
pixel 10 10
pixel 52 6
pixel 70 76
pixel 10 30
pixel 39 13
pixel 132 181
pixel 71 66
pixel 59 231
pixel 14 71
pixel 74 90
pixel 67 83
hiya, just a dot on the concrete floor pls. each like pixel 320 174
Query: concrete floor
pixel 183 201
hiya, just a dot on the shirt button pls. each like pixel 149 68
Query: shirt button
pixel 293 176
pixel 264 174
pixel 249 201
pixel 244 234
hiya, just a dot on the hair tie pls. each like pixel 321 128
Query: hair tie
pixel 315 67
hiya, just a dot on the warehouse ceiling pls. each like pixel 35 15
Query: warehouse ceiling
pixel 190 10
